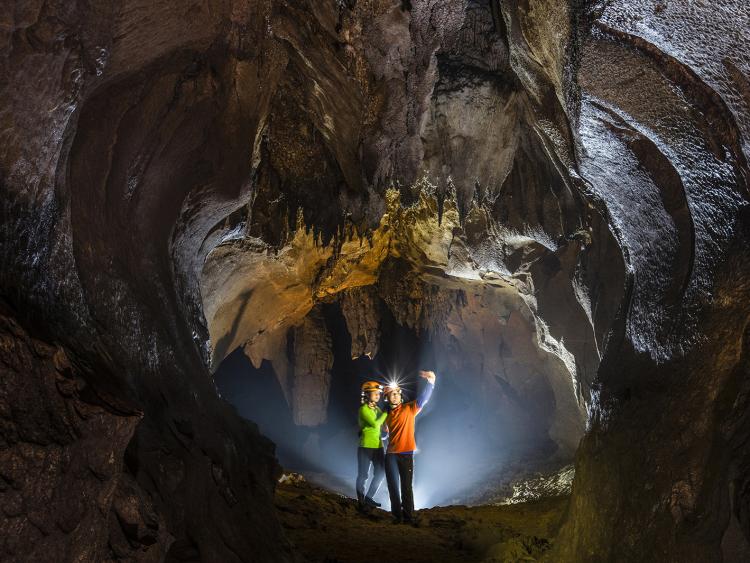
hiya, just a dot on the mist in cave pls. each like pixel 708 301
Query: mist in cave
pixel 464 444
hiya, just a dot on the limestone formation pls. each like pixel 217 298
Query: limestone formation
pixel 313 359
pixel 556 193
pixel 360 308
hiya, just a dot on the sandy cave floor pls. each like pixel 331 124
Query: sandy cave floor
pixel 327 527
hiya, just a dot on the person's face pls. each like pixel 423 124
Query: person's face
pixel 394 397
pixel 375 396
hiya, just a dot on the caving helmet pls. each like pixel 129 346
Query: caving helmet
pixel 368 387
pixel 390 387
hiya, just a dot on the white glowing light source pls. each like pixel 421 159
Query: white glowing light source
pixel 395 380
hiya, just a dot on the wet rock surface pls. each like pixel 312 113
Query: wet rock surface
pixel 663 384
pixel 555 190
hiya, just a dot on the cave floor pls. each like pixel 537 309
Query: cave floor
pixel 326 527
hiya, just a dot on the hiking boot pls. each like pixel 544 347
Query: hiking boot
pixel 363 508
pixel 370 502
pixel 396 520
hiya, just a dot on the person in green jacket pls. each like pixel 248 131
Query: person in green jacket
pixel 370 451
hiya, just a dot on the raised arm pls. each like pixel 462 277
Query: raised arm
pixel 426 392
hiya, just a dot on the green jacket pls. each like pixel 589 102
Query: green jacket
pixel 370 422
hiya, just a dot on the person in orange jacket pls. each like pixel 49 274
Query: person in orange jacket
pixel 399 457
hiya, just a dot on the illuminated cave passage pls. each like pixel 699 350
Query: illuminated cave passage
pixel 477 427
pixel 260 203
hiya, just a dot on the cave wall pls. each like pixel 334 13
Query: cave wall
pixel 65 489
pixel 103 105
pixel 662 138
pixel 594 154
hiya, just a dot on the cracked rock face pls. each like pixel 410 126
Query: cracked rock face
pixel 555 192
pixel 61 445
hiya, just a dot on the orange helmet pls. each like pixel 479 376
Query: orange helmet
pixel 370 386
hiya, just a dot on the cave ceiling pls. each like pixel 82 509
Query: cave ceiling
pixel 438 182
pixel 557 187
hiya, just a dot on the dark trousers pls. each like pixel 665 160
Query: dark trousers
pixel 365 458
pixel 399 471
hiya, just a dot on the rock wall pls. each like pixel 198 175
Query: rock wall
pixel 662 137
pixel 167 170
pixel 362 314
pixel 66 492
pixel 98 247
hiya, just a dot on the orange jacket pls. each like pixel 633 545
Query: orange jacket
pixel 400 422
